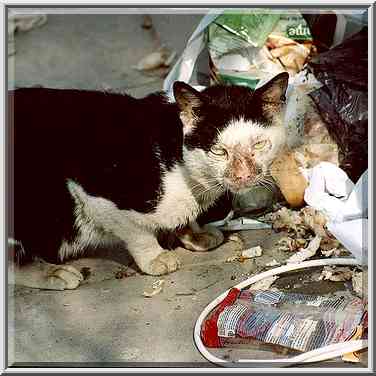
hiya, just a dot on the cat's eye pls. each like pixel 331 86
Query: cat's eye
pixel 219 151
pixel 260 145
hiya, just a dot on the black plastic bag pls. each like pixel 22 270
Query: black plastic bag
pixel 343 100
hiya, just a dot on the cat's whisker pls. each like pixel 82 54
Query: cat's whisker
pixel 262 184
pixel 204 183
pixel 268 182
pixel 213 189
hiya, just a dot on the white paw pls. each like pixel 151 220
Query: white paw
pixel 63 277
pixel 208 238
pixel 165 263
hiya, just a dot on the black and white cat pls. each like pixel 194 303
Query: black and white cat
pixel 86 168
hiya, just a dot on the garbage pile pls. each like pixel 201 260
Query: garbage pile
pixel 343 99
pixel 321 178
pixel 326 113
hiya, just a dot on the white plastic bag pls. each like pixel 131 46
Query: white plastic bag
pixel 346 205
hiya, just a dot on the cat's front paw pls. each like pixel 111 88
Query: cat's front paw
pixel 207 238
pixel 166 262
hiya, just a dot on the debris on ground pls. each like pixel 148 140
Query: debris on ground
pixel 273 263
pixel 315 220
pixel 232 258
pixel 86 272
pixel 336 273
pixel 238 224
pixel 246 254
pixel 360 283
pixel 330 244
pixel 299 223
pixel 252 252
pixel 285 219
pixel 23 23
pixel 302 226
pixel 124 273
pixel 306 253
pixel 264 284
pixel 333 252
pixel 353 357
pixel 236 238
pixel 147 22
pixel 160 58
pixel 157 288
pixel 289 244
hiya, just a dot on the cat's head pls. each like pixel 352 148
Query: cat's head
pixel 232 130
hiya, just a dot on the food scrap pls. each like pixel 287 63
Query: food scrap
pixel 336 273
pixel 252 252
pixel 273 263
pixel 246 254
pixel 124 273
pixel 157 288
pixel 306 253
pixel 160 58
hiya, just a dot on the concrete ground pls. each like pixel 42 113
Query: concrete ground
pixel 107 321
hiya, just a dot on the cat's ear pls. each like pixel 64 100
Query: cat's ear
pixel 274 90
pixel 273 94
pixel 189 102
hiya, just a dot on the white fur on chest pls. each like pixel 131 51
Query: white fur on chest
pixel 178 205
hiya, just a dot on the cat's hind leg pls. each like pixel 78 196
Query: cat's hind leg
pixel 200 239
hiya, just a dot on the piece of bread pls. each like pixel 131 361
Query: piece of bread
pixel 291 182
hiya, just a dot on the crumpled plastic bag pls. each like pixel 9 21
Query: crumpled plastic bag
pixel 344 204
pixel 331 27
pixel 246 46
pixel 343 99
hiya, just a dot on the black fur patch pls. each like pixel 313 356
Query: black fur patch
pixel 219 106
pixel 110 144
